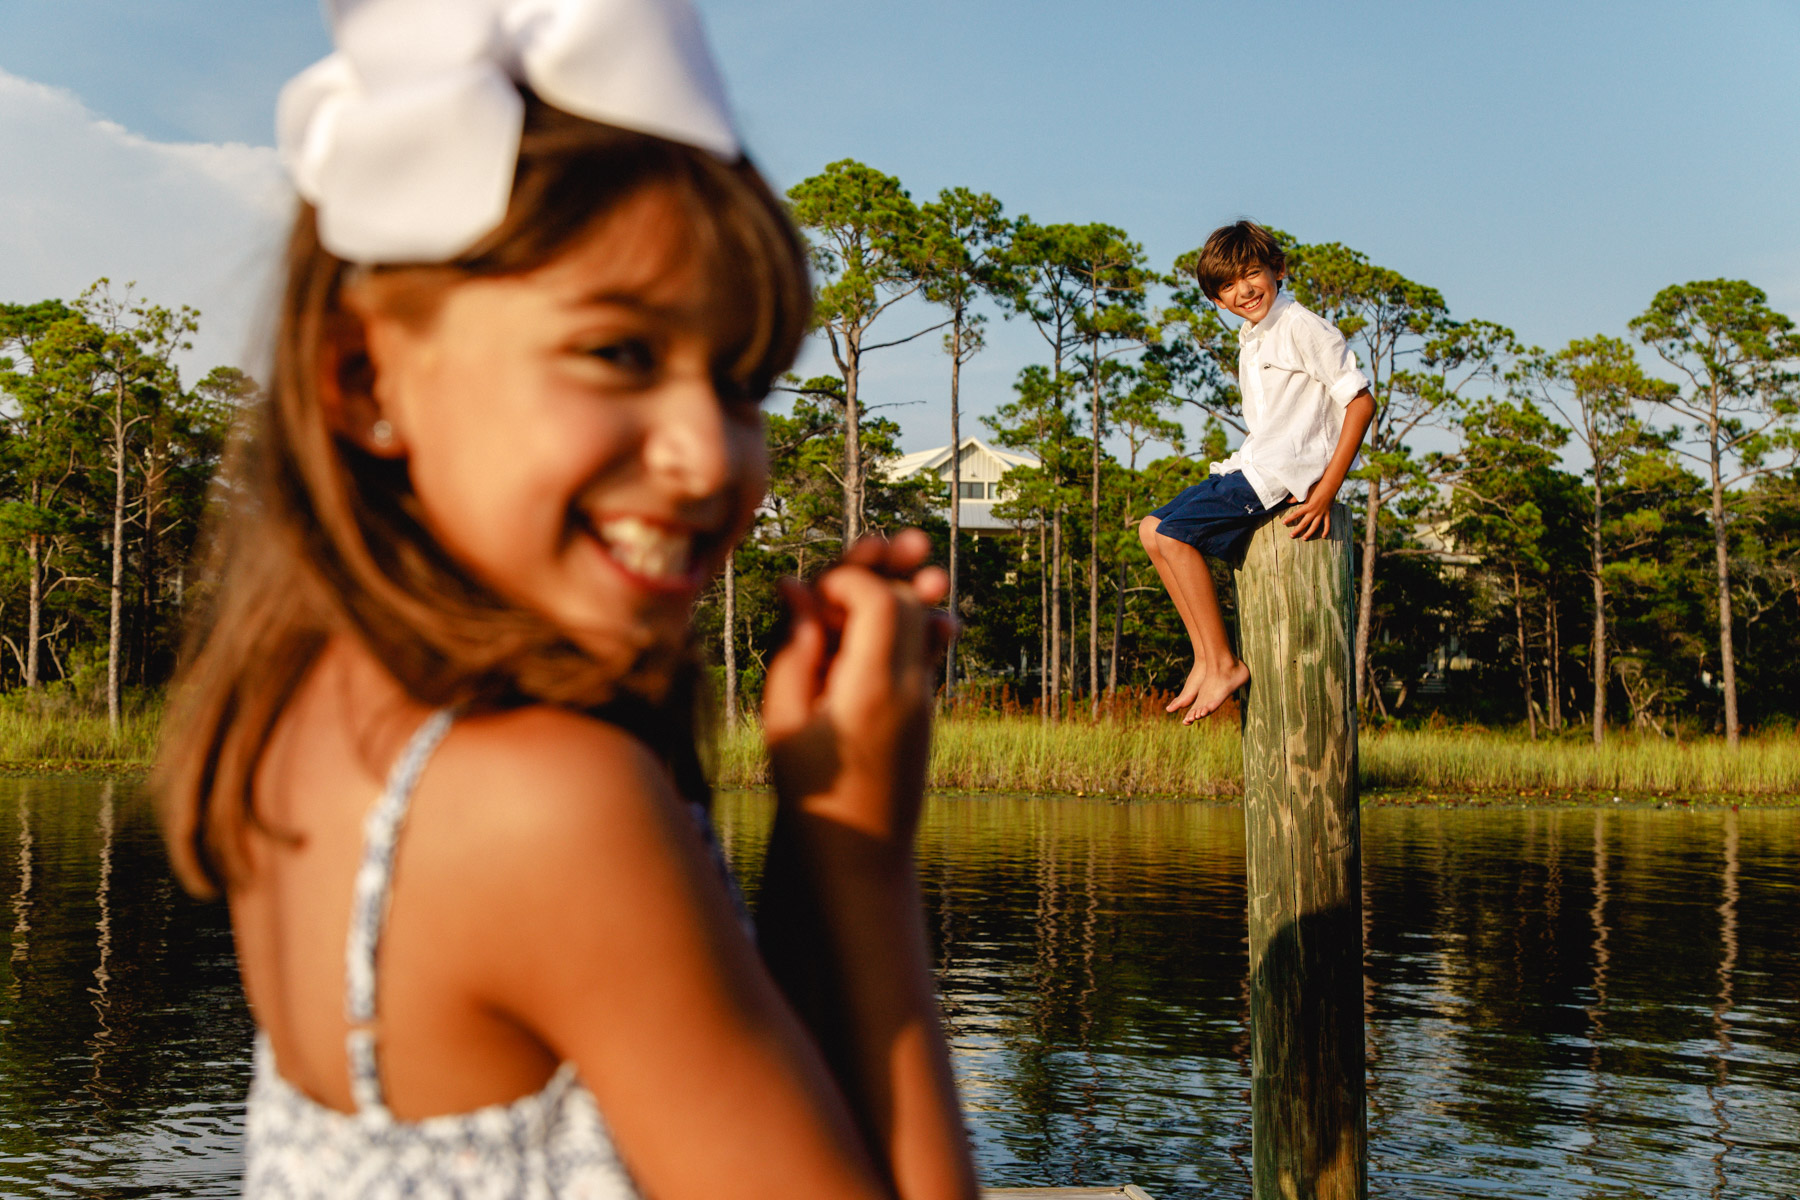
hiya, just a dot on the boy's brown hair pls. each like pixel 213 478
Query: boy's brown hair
pixel 1235 250
pixel 318 538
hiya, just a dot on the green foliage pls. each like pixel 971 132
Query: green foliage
pixel 1192 354
pixel 870 248
pixel 1738 357
pixel 1492 554
pixel 105 468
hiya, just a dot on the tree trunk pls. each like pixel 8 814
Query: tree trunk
pixel 1599 655
pixel 1365 599
pixel 1070 673
pixel 1553 670
pixel 1118 632
pixel 1044 611
pixel 150 567
pixel 1056 592
pixel 34 603
pixel 1524 655
pixel 1094 550
pixel 1722 563
pixel 853 486
pixel 730 639
pixel 955 495
pixel 1303 870
pixel 117 590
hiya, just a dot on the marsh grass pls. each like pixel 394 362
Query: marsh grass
pixel 53 730
pixel 1132 757
pixel 1132 751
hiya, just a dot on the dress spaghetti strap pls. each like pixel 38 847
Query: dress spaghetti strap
pixel 548 1145
pixel 369 907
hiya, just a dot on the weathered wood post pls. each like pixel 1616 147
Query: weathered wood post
pixel 1303 842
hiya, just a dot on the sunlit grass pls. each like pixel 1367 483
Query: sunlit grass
pixel 50 730
pixel 1162 758
pixel 1499 763
pixel 1129 755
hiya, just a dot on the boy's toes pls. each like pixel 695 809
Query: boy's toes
pixel 1218 689
pixel 1190 691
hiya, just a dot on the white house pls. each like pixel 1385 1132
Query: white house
pixel 983 469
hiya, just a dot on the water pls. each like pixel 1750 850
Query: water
pixel 123 1038
pixel 1563 1003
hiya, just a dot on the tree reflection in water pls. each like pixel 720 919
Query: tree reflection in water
pixel 1560 1003
pixel 21 904
pixel 1728 941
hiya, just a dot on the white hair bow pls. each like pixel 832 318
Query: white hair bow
pixel 406 138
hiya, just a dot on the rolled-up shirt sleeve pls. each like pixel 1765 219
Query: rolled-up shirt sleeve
pixel 1326 356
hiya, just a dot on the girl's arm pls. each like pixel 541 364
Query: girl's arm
pixel 595 921
pixel 579 903
pixel 840 914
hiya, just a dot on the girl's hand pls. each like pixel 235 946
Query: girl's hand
pixel 847 703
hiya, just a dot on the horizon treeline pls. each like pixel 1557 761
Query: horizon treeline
pixel 107 466
pixel 1657 587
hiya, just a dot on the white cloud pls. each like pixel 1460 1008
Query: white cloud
pixel 190 223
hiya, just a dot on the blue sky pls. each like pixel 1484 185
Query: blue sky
pixel 1546 166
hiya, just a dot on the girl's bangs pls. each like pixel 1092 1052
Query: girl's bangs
pixel 573 172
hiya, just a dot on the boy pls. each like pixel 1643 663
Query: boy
pixel 1306 408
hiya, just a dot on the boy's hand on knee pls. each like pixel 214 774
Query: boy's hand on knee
pixel 1311 517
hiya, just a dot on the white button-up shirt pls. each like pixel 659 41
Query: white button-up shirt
pixel 1297 375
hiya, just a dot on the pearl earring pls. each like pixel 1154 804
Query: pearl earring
pixel 382 433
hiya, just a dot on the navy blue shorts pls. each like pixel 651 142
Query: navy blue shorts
pixel 1216 516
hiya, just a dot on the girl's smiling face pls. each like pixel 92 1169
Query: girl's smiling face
pixel 570 433
pixel 1251 295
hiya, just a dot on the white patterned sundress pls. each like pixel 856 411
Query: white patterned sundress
pixel 550 1145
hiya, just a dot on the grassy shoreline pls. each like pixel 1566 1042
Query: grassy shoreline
pixel 1137 757
pixel 1134 758
pixel 48 736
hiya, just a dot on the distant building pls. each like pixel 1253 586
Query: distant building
pixel 983 471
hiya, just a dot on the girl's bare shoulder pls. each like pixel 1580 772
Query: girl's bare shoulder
pixel 542 780
pixel 556 854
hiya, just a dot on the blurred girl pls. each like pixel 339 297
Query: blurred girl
pixel 434 739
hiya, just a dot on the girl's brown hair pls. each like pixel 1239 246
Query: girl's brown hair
pixel 317 538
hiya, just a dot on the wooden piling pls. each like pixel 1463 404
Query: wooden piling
pixel 1303 843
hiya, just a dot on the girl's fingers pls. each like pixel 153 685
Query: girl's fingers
pixel 908 551
pixel 883 624
pixel 870 551
pixel 897 558
pixel 792 682
pixel 931 585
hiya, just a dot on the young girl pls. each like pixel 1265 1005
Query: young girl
pixel 434 740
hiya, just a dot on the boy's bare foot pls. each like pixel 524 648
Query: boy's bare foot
pixel 1190 690
pixel 1215 689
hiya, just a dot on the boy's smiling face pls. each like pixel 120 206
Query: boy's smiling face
pixel 1250 296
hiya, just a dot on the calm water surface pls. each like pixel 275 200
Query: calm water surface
pixel 1561 1003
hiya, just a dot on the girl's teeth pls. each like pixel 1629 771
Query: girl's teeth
pixel 645 549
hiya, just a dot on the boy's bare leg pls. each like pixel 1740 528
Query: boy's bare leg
pixel 1153 546
pixel 1187 577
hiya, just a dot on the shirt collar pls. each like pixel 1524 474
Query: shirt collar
pixel 1248 333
